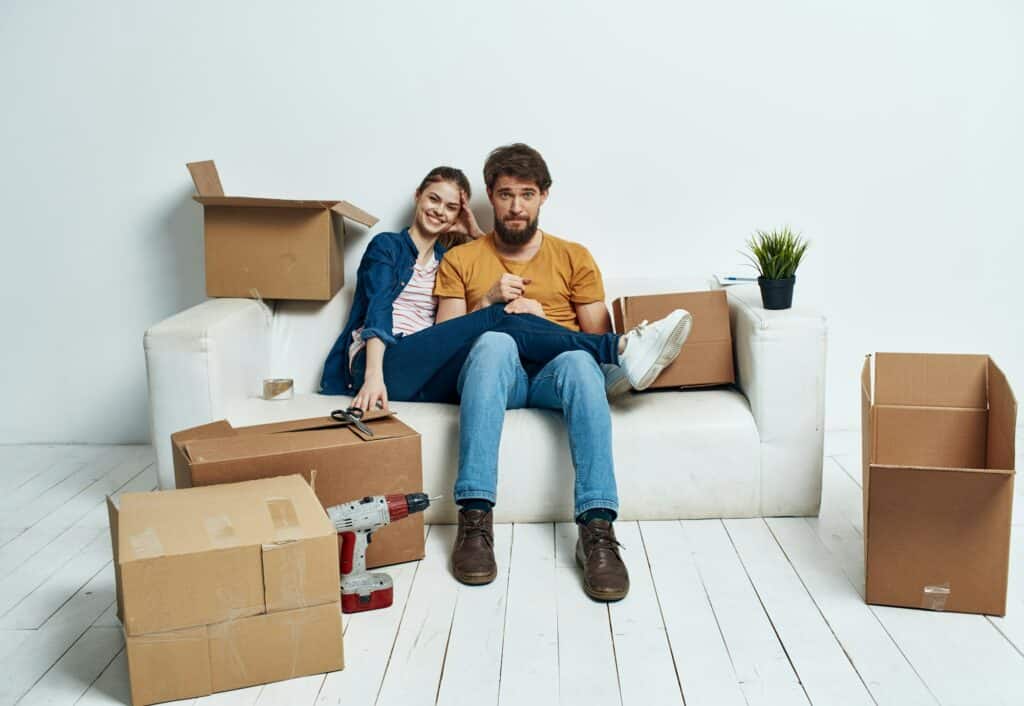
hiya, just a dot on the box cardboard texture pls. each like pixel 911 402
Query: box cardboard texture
pixel 348 464
pixel 278 248
pixel 706 358
pixel 224 587
pixel 938 473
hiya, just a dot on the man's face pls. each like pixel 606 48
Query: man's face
pixel 516 205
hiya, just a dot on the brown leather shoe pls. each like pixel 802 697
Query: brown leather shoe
pixel 473 554
pixel 597 552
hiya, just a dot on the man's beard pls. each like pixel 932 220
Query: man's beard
pixel 515 237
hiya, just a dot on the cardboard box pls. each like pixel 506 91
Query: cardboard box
pixel 193 557
pixel 938 471
pixel 279 248
pixel 706 358
pixel 224 587
pixel 256 650
pixel 348 464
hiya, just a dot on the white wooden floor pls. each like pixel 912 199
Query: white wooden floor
pixel 720 612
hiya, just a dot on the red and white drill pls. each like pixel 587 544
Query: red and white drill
pixel 356 522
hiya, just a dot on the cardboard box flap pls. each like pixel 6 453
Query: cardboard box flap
pixel 931 380
pixel 205 177
pixel 311 424
pixel 281 509
pixel 354 213
pixel 1002 420
pixel 214 430
pixel 264 202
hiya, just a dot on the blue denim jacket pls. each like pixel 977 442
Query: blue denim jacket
pixel 386 267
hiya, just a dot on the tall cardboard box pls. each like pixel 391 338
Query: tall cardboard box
pixel 706 358
pixel 938 471
pixel 348 464
pixel 278 248
pixel 224 587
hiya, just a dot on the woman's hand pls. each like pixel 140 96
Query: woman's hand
pixel 522 305
pixel 466 222
pixel 372 393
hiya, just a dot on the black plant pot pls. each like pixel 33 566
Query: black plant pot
pixel 777 293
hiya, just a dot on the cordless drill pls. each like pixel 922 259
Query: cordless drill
pixel 356 522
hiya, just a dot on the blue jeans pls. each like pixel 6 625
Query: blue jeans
pixel 425 366
pixel 493 379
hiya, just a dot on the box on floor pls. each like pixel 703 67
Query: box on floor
pixel 938 472
pixel 224 587
pixel 276 248
pixel 349 465
pixel 706 358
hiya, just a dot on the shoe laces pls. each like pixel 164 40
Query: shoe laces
pixel 601 538
pixel 640 329
pixel 478 528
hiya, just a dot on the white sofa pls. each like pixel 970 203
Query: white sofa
pixel 749 451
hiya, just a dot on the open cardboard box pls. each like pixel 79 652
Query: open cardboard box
pixel 276 248
pixel 938 471
pixel 349 465
pixel 706 357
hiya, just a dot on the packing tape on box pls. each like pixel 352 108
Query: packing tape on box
pixel 220 531
pixel 278 389
pixel 146 544
pixel 285 519
pixel 935 597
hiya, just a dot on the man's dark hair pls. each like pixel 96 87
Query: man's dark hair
pixel 451 174
pixel 519 161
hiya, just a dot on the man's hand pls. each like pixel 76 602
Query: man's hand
pixel 372 393
pixel 506 289
pixel 522 305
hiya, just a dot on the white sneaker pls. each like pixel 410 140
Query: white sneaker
pixel 651 347
pixel 616 384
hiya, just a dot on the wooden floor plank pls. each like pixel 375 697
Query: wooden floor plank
pixel 75 672
pixel 765 673
pixel 889 677
pixel 587 670
pixel 414 670
pixel 66 462
pixel 529 665
pixel 472 662
pixel 822 666
pixel 646 670
pixel 46 645
pixel 702 661
pixel 111 688
pixel 301 691
pixel 20 463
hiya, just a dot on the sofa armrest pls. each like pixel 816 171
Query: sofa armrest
pixel 780 367
pixel 198 361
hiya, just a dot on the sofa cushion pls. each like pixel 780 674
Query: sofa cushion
pixel 693 453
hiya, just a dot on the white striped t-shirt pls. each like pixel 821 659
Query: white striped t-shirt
pixel 414 310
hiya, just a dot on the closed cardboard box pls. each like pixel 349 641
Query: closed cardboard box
pixel 938 472
pixel 706 357
pixel 348 464
pixel 276 248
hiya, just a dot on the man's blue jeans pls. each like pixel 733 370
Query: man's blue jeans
pixel 493 379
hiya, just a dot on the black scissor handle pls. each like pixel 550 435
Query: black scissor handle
pixel 352 414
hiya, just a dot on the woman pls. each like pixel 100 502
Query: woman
pixel 390 347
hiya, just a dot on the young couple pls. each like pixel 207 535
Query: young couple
pixel 509 319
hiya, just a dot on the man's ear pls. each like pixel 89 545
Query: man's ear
pixel 543 197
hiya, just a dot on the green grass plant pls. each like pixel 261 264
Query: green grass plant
pixel 777 253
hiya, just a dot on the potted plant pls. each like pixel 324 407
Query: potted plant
pixel 776 254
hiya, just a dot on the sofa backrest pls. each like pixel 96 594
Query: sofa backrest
pixel 302 333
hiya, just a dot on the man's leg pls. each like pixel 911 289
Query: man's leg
pixel 492 380
pixel 574 383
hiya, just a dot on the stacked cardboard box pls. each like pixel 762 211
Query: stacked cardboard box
pixel 348 464
pixel 938 470
pixel 706 359
pixel 224 587
pixel 276 248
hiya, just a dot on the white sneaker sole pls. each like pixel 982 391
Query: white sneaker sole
pixel 618 388
pixel 669 351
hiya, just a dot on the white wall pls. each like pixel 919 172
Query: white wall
pixel 887 131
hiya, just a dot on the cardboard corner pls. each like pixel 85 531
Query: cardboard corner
pixel 354 213
pixel 113 516
pixel 205 177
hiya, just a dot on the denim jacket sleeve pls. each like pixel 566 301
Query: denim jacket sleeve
pixel 377 272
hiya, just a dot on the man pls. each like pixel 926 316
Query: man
pixel 533 272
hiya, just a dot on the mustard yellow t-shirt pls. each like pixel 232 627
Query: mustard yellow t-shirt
pixel 562 274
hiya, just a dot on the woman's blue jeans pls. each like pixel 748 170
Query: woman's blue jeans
pixel 425 366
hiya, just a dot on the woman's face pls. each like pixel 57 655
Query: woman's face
pixel 437 208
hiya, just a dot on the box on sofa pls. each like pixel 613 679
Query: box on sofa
pixel 706 359
pixel 938 471
pixel 348 464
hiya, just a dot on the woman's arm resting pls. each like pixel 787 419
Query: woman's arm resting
pixel 373 390
pixel 450 308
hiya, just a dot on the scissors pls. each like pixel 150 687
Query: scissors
pixel 352 415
